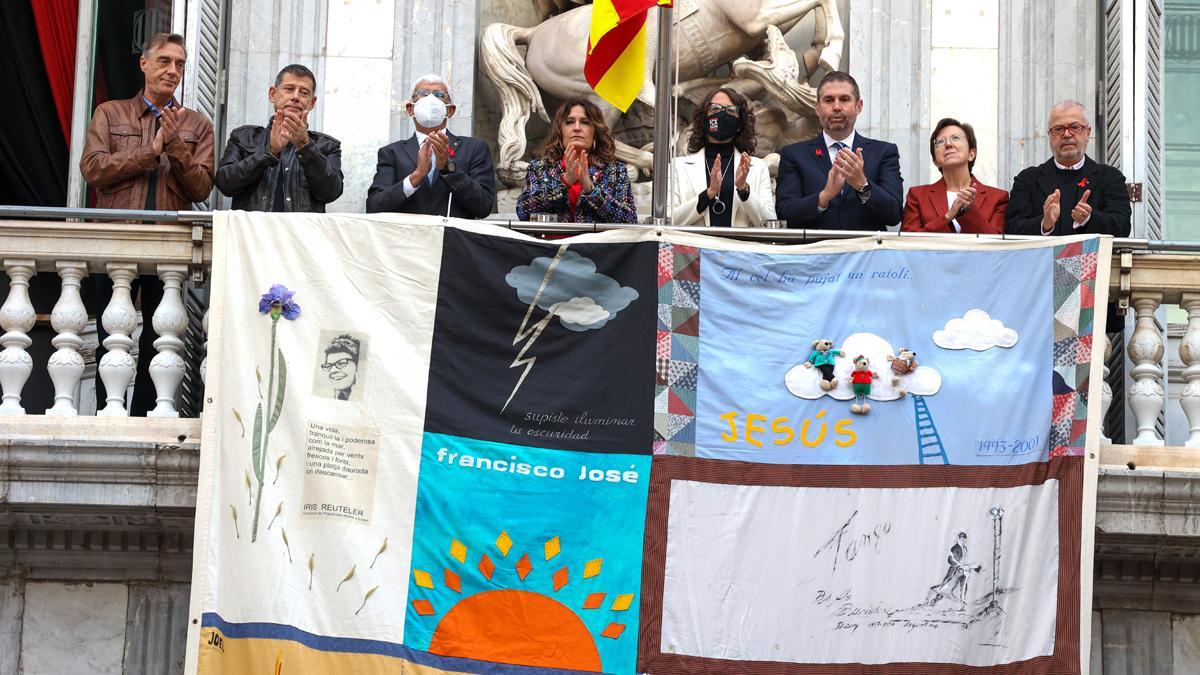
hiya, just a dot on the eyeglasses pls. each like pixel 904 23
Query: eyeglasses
pixel 422 93
pixel 339 364
pixel 1075 128
pixel 716 108
pixel 955 139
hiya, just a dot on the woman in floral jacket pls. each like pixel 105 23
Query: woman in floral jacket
pixel 576 175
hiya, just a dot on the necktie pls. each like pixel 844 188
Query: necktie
pixel 433 174
pixel 834 149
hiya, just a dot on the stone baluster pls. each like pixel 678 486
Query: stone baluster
pixel 117 367
pixel 170 322
pixel 68 319
pixel 1106 394
pixel 204 361
pixel 1146 398
pixel 16 318
pixel 1189 353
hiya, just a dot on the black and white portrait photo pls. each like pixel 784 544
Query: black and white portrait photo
pixel 341 366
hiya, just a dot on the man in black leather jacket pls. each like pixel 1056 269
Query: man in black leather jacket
pixel 283 166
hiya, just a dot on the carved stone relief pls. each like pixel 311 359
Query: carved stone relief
pixel 772 51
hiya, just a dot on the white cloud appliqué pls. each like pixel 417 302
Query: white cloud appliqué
pixel 975 330
pixel 581 312
pixel 806 382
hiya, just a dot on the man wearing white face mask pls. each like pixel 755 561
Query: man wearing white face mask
pixel 433 171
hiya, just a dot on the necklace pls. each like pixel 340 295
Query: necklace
pixel 717 206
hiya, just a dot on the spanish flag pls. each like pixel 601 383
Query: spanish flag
pixel 616 55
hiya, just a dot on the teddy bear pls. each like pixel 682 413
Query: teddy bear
pixel 903 363
pixel 860 382
pixel 822 357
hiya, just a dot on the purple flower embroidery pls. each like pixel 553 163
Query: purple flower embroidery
pixel 279 300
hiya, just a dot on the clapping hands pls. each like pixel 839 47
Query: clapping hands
pixel 288 127
pixel 847 168
pixel 168 129
pixel 575 168
pixel 962 203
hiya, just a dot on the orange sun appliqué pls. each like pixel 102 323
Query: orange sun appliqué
pixel 515 625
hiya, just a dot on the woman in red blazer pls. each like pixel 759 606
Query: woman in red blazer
pixel 958 202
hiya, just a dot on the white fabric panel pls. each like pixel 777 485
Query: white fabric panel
pixel 376 281
pixel 844 575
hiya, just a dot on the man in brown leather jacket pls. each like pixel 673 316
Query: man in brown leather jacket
pixel 148 152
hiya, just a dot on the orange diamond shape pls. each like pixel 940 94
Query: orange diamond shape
pixel 593 601
pixel 560 579
pixel 486 566
pixel 524 567
pixel 453 582
pixel 613 630
pixel 423 607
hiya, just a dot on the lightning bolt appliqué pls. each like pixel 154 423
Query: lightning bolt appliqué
pixel 534 331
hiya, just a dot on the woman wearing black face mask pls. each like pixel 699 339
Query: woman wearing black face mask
pixel 719 183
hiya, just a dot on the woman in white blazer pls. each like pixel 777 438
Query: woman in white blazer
pixel 719 183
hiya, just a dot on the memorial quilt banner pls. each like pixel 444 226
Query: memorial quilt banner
pixel 442 447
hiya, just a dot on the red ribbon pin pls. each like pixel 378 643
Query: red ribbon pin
pixel 820 152
pixel 1082 183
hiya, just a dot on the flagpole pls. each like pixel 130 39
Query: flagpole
pixel 663 149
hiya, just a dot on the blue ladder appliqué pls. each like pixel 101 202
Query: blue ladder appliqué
pixel 929 442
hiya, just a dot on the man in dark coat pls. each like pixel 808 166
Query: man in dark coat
pixel 840 180
pixel 283 166
pixel 1070 193
pixel 433 171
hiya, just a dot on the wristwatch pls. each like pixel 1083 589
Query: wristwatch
pixel 864 192
pixel 451 167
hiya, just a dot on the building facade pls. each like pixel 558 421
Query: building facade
pixel 97 513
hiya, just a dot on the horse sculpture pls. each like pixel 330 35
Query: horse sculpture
pixel 709 34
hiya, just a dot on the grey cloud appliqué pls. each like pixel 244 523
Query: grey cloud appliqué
pixel 582 298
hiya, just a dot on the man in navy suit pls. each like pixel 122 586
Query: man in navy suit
pixel 433 172
pixel 840 180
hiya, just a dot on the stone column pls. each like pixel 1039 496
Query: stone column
pixel 965 59
pixel 118 367
pixel 16 319
pixel 170 323
pixel 68 318
pixel 1146 397
pixel 890 57
pixel 1189 353
pixel 432 36
pixel 1048 53
pixel 263 38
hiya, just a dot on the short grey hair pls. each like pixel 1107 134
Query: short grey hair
pixel 1069 104
pixel 432 78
